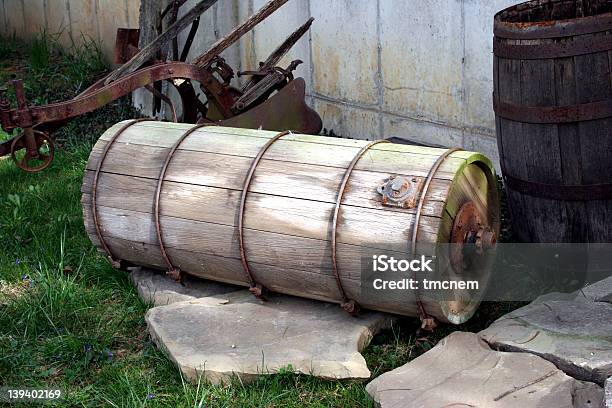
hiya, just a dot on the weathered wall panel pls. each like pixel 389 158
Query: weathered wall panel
pixel 58 21
pixel 348 121
pixel 417 80
pixel 33 17
pixel 85 21
pixel 14 22
pixel 111 14
pixel 422 132
pixel 345 50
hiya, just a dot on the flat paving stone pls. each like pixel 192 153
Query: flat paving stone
pixel 156 288
pixel 575 335
pixel 596 292
pixel 599 292
pixel 215 338
pixel 463 371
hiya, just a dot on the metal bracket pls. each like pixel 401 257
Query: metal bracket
pixel 399 191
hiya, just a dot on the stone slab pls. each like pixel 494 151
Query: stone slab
pixel 215 338
pixel 608 393
pixel 599 291
pixel 156 288
pixel 462 371
pixel 576 335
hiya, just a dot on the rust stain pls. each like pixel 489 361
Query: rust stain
pixel 529 24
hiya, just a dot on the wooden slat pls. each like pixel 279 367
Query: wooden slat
pixel 570 153
pixel 286 152
pixel 286 179
pixel 593 83
pixel 358 229
pixel 545 217
pixel 203 202
pixel 510 134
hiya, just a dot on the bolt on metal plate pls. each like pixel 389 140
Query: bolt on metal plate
pixel 399 191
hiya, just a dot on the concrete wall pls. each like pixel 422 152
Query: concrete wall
pixel 70 20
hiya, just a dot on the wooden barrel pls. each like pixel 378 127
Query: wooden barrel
pixel 553 106
pixel 289 224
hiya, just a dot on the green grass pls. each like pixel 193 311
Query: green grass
pixel 69 320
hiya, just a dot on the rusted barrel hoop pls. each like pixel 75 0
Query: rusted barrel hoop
pixel 578 46
pixel 255 288
pixel 551 29
pixel 553 114
pixel 94 188
pixel 428 321
pixel 347 304
pixel 562 192
pixel 156 203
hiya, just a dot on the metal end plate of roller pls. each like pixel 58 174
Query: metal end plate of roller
pixel 288 208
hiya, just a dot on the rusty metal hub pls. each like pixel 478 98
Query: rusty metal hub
pixel 398 191
pixel 470 236
pixel 38 150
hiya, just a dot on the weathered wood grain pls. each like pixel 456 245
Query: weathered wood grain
pixel 358 231
pixel 238 31
pixel 188 200
pixel 288 208
pixel 413 164
pixel 296 180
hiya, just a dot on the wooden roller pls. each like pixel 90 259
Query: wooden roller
pixel 313 206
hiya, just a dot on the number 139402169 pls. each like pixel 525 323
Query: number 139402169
pixel 29 394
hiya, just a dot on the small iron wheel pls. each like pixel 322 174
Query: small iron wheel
pixel 45 151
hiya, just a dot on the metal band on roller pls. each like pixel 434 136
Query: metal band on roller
pixel 255 288
pixel 347 304
pixel 94 188
pixel 172 270
pixel 427 322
